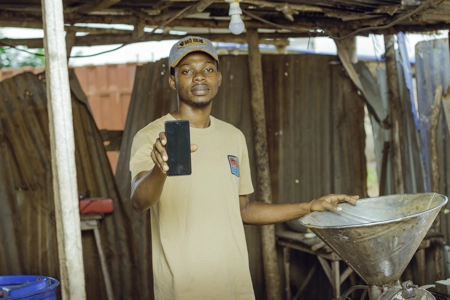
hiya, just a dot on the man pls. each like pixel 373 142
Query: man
pixel 198 242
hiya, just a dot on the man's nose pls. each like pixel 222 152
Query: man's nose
pixel 199 76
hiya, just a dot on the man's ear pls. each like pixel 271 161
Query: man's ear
pixel 219 78
pixel 172 82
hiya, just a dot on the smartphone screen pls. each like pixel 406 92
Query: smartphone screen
pixel 178 147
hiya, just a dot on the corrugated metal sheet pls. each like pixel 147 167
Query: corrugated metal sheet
pixel 27 221
pixel 8 73
pixel 433 69
pixel 315 134
pixel 377 91
pixel 108 89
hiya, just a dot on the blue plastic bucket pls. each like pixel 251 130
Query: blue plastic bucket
pixel 28 287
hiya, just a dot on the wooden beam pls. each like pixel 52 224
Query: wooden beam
pixel 395 115
pixel 263 187
pixel 305 23
pixel 96 40
pixel 91 6
pixel 277 5
pixel 85 29
pixel 21 19
pixel 62 143
pixel 345 53
pixel 70 41
pixel 138 31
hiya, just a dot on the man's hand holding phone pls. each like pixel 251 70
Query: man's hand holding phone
pixel 172 150
pixel 159 154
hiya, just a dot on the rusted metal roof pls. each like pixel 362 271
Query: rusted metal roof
pixel 275 20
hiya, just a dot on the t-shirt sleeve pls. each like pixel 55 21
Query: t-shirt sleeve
pixel 140 159
pixel 246 185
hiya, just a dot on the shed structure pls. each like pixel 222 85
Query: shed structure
pixel 329 106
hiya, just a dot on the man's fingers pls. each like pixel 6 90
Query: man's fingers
pixel 338 198
pixel 351 199
pixel 331 201
pixel 157 159
pixel 194 147
pixel 331 205
pixel 159 154
pixel 162 138
pixel 161 149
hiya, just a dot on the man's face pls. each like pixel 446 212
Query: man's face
pixel 196 79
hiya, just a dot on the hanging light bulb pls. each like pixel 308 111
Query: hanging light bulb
pixel 236 25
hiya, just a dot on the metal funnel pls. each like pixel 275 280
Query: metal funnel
pixel 378 236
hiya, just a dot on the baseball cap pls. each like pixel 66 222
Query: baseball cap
pixel 190 44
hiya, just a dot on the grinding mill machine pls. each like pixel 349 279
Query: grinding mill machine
pixel 378 237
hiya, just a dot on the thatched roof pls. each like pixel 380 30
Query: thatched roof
pixel 273 19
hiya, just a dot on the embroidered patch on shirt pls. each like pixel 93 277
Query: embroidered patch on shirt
pixel 234 165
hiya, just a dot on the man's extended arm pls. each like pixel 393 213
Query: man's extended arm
pixel 258 213
pixel 147 188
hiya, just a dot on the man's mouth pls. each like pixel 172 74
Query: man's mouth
pixel 200 90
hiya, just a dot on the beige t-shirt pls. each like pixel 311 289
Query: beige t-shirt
pixel 198 241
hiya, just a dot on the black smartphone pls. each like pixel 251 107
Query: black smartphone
pixel 178 147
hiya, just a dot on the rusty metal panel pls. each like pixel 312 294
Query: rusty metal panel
pixel 433 69
pixel 108 89
pixel 27 222
pixel 8 73
pixel 377 95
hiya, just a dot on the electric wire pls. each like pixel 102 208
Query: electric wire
pixel 382 27
pixel 396 21
pixel 114 49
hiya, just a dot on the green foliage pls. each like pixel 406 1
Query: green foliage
pixel 16 59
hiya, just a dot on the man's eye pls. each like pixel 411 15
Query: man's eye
pixel 208 70
pixel 186 72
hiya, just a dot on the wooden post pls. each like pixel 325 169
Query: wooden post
pixel 395 113
pixel 63 154
pixel 71 36
pixel 446 108
pixel 353 49
pixel 264 190
pixel 138 31
pixel 384 165
pixel 435 112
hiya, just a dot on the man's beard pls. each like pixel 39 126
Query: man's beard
pixel 196 104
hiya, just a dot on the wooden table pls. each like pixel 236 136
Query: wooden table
pixel 92 222
pixel 314 246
